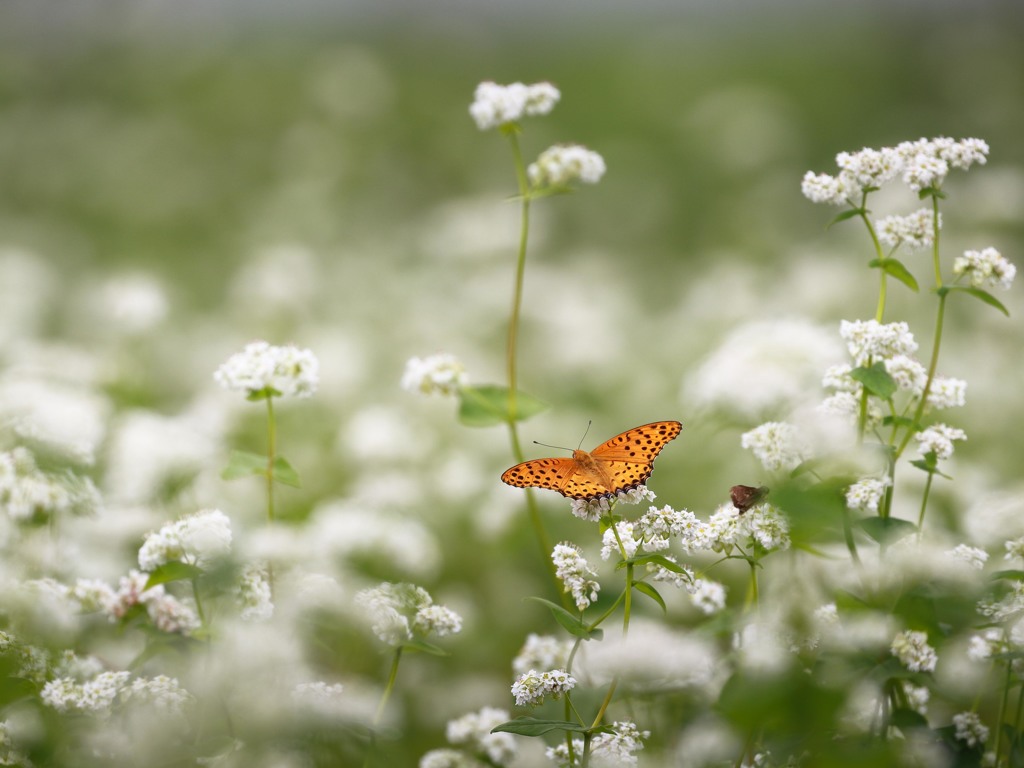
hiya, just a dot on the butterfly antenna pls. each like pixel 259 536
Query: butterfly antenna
pixel 556 447
pixel 589 422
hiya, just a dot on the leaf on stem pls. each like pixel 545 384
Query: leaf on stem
pixel 243 464
pixel 876 380
pixel 895 269
pixel 644 588
pixel 425 647
pixel 284 473
pixel 1010 574
pixel 847 215
pixel 486 405
pixel 657 559
pixel 531 726
pixel 886 530
pixel 930 464
pixel 174 571
pixel 979 294
pixel 255 395
pixel 574 625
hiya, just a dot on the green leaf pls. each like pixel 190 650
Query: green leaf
pixel 243 464
pixel 285 474
pixel 531 726
pixel 1010 574
pixel 425 647
pixel 886 530
pixel 895 268
pixel 876 380
pixel 930 464
pixel 174 571
pixel 574 625
pixel 927 192
pixel 908 718
pixel 847 215
pixel 644 588
pixel 266 393
pixel 661 560
pixel 898 421
pixel 984 296
pixel 487 404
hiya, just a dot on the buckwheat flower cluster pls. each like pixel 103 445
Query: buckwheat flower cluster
pixel 969 729
pixel 448 758
pixel 658 527
pixel 913 651
pixel 610 543
pixel 532 687
pixel 926 162
pixel 917 697
pixel 1014 548
pixel 947 392
pixel 542 652
pixel 162 693
pixel 167 613
pixel 198 540
pixel 593 509
pixel 866 494
pixel 562 164
pixel 917 230
pixel 285 371
pixel 574 571
pixel 869 341
pixel 95 697
pixel 473 730
pixel 27 493
pixel 1008 606
pixel 707 596
pixel 776 444
pixel 985 268
pixel 440 374
pixel 399 612
pixel 496 105
pixel 938 439
pixel 974 557
pixel 984 646
pixel 254 594
pixel 767 527
pixel 319 698
pixel 607 750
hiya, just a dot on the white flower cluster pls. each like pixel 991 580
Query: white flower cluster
pixel 399 612
pixel 972 556
pixel 919 164
pixel 496 105
pixel 439 374
pixel 777 445
pixel 622 531
pixel 285 371
pixel 969 729
pixel 542 652
pixel 254 595
pixel 938 439
pixel 593 509
pixel 473 730
pixel 985 268
pixel 532 687
pixel 198 540
pixel 574 571
pixel 916 230
pixel 27 493
pixel 870 341
pixel 607 750
pixel 866 494
pixel 562 164
pixel 913 651
pixel 1014 548
pixel 319 698
pixel 162 693
pixel 95 696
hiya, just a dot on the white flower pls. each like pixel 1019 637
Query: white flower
pixel 474 730
pixel 767 527
pixel 708 596
pixel 982 647
pixel 319 698
pixel 438 619
pixel 495 105
pixel 532 687
pixel 985 268
pixel 593 509
pixel 562 164
pixel 969 729
pixel 397 611
pixel 866 494
pixel 917 697
pixel 254 594
pixel 822 188
pixel 610 544
pixel 27 493
pixel 907 372
pixel 916 230
pixel 198 539
pixel 947 392
pixel 776 445
pixel 287 370
pixel 167 613
pixel 542 652
pixel 973 556
pixel 438 374
pixel 608 750
pixel 938 439
pixel 870 167
pixel 913 651
pixel 448 758
pixel 161 692
pixel 846 405
pixel 1015 548
pixel 870 341
pixel 574 571
pixel 94 697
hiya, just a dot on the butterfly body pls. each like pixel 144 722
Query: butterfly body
pixel 620 464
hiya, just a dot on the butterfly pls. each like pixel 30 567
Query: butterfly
pixel 620 464
pixel 746 496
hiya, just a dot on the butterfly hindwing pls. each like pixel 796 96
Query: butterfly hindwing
pixel 579 487
pixel 638 445
pixel 541 473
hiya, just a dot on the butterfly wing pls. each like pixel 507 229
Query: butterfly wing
pixel 639 445
pixel 541 473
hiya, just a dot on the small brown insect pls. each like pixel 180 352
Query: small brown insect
pixel 746 496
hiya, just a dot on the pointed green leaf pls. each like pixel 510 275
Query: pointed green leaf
pixel 984 296
pixel 285 474
pixel 487 404
pixel 255 395
pixel 574 625
pixel 243 464
pixel 846 215
pixel 646 589
pixel 1010 574
pixel 173 571
pixel 425 647
pixel 876 380
pixel 908 718
pixel 896 269
pixel 531 726
pixel 661 560
pixel 887 530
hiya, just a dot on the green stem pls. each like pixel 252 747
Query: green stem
pixel 924 504
pixel 271 455
pixel 199 603
pixel 753 595
pixel 997 732
pixel 883 284
pixel 392 675
pixel 932 365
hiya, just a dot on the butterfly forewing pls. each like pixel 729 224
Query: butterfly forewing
pixel 640 444
pixel 540 473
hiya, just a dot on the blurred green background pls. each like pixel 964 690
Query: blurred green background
pixel 311 175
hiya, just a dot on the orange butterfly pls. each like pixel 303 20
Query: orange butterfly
pixel 620 464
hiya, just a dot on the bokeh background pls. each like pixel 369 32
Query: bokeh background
pixel 177 179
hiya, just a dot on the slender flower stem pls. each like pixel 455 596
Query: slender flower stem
pixel 199 602
pixel 271 455
pixel 883 284
pixel 924 504
pixel 998 730
pixel 392 675
pixel 753 595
